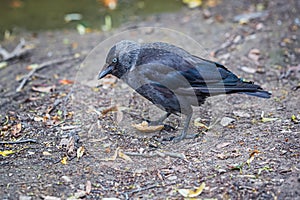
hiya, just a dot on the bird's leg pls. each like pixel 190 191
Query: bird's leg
pixel 160 120
pixel 185 129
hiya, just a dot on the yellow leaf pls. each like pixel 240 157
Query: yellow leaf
pixel 124 156
pixel 197 123
pixel 6 152
pixel 192 193
pixel 192 3
pixel 64 160
pixel 266 119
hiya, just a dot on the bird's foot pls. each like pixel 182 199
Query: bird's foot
pixel 181 137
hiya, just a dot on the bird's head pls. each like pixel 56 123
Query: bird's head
pixel 120 59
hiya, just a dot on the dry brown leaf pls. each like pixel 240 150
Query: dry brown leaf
pixel 109 109
pixel 80 152
pixel 251 157
pixel 71 145
pixel 144 127
pixel 212 3
pixel 16 130
pixel 254 54
pixel 222 156
pixel 66 82
pixel 108 81
pixel 88 187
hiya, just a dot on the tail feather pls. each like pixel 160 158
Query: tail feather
pixel 242 87
pixel 261 94
pixel 250 88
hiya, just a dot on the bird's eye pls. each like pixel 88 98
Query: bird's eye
pixel 114 60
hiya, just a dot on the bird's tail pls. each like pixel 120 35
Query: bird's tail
pixel 239 86
pixel 252 89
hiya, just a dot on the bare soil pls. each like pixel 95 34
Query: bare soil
pixel 254 157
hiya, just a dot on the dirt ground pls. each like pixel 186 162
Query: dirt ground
pixel 78 138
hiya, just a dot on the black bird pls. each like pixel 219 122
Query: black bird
pixel 172 78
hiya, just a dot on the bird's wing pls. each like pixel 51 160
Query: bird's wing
pixel 186 75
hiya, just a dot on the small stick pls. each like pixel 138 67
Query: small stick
pixel 18 141
pixel 41 66
pixel 20 49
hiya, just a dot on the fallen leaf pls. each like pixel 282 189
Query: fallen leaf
pixel 225 121
pixel 245 18
pixel 72 17
pixel 145 128
pixel 197 123
pixel 114 157
pixel 248 70
pixel 212 3
pixel 65 82
pixel 7 152
pixel 32 66
pixel 219 146
pixel 71 145
pixel 3 65
pixel 44 89
pixel 46 153
pixel 16 130
pixel 38 119
pixel 124 156
pixel 88 187
pixel 66 179
pixel 64 160
pixel 109 109
pixel 237 167
pixel 250 159
pixel 192 193
pixel 16 4
pixel 192 3
pixel 222 156
pixel 107 23
pixel 51 198
pixel 81 29
pixel 295 119
pixel 266 119
pixel 265 168
pixel 254 54
pixel 108 81
pixel 111 4
pixel 79 194
pixel 80 152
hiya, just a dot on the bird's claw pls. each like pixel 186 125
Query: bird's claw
pixel 181 137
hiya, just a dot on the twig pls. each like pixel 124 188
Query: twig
pixel 158 153
pixel 18 141
pixel 20 50
pixel 144 188
pixel 41 66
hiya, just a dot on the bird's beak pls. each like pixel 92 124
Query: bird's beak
pixel 106 71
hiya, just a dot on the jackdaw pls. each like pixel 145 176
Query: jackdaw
pixel 173 79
